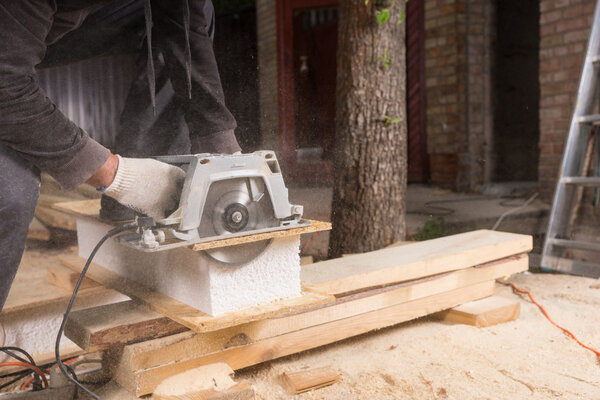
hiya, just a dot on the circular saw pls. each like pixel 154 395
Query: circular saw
pixel 224 196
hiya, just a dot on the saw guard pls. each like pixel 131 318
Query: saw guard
pixel 194 220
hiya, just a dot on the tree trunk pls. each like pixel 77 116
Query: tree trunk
pixel 370 165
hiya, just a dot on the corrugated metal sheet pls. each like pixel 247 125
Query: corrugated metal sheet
pixel 91 93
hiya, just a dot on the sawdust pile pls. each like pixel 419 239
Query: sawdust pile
pixel 527 358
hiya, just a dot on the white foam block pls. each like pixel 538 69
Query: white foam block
pixel 195 279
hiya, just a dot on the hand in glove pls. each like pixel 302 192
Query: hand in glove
pixel 147 186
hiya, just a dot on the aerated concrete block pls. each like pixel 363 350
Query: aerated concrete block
pixel 195 279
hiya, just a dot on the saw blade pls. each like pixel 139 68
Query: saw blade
pixel 233 206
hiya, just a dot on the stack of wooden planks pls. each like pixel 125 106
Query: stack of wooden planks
pixel 369 291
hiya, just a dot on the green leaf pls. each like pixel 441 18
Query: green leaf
pixel 387 121
pixel 401 16
pixel 383 15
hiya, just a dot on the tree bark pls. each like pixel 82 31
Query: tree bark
pixel 370 164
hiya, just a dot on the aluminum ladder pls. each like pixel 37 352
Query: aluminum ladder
pixel 573 175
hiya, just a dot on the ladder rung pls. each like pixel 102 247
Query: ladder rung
pixel 596 60
pixel 575 244
pixel 593 119
pixel 581 180
pixel 570 266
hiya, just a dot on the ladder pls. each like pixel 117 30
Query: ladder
pixel 573 176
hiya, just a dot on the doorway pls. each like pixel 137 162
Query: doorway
pixel 516 91
pixel 307 47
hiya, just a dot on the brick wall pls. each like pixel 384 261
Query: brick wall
pixel 564 30
pixel 457 83
pixel 266 13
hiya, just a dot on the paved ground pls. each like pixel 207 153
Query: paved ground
pixel 455 212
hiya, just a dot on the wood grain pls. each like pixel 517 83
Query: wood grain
pixel 481 313
pixel 103 327
pixel 304 381
pixel 187 315
pixel 55 218
pixel 315 226
pixel 397 264
pixel 66 278
pixel 242 390
pixel 144 381
pixel 192 345
pixel 38 231
pixel 91 209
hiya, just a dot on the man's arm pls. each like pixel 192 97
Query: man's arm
pixel 33 126
pixel 210 122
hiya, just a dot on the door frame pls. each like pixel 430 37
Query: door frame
pixel 316 172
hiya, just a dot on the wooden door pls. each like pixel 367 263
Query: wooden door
pixel 307 43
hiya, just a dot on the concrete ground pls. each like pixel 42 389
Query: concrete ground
pixel 431 210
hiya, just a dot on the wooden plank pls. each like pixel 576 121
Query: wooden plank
pixel 103 327
pixel 304 381
pixel 30 289
pixel 191 345
pixel 66 278
pixel 213 381
pixel 38 231
pixel 315 226
pixel 80 208
pixel 481 313
pixel 91 209
pixel 54 218
pixel 187 315
pixel 242 390
pixel 144 381
pixel 397 264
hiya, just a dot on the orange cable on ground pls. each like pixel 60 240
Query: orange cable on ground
pixel 568 332
pixel 27 382
pixel 31 367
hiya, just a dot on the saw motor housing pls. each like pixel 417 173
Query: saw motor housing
pixel 223 196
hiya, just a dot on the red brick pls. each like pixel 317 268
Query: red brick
pixel 551 16
pixel 571 24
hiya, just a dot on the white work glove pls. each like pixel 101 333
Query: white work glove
pixel 147 186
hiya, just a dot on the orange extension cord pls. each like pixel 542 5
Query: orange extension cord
pixel 543 310
pixel 31 367
pixel 27 382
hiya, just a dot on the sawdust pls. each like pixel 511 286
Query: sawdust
pixel 215 376
pixel 425 359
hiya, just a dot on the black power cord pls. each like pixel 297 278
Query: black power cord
pixel 115 231
pixel 9 350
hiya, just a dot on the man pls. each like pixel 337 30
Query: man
pixel 35 136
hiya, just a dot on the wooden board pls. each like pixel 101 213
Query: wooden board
pixel 315 226
pixel 481 313
pixel 55 218
pixel 30 289
pixel 191 345
pixel 187 315
pixel 63 277
pixel 304 381
pixel 144 381
pixel 397 264
pixel 38 231
pixel 242 390
pixel 153 353
pixel 99 328
pixel 91 209
pixel 80 208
